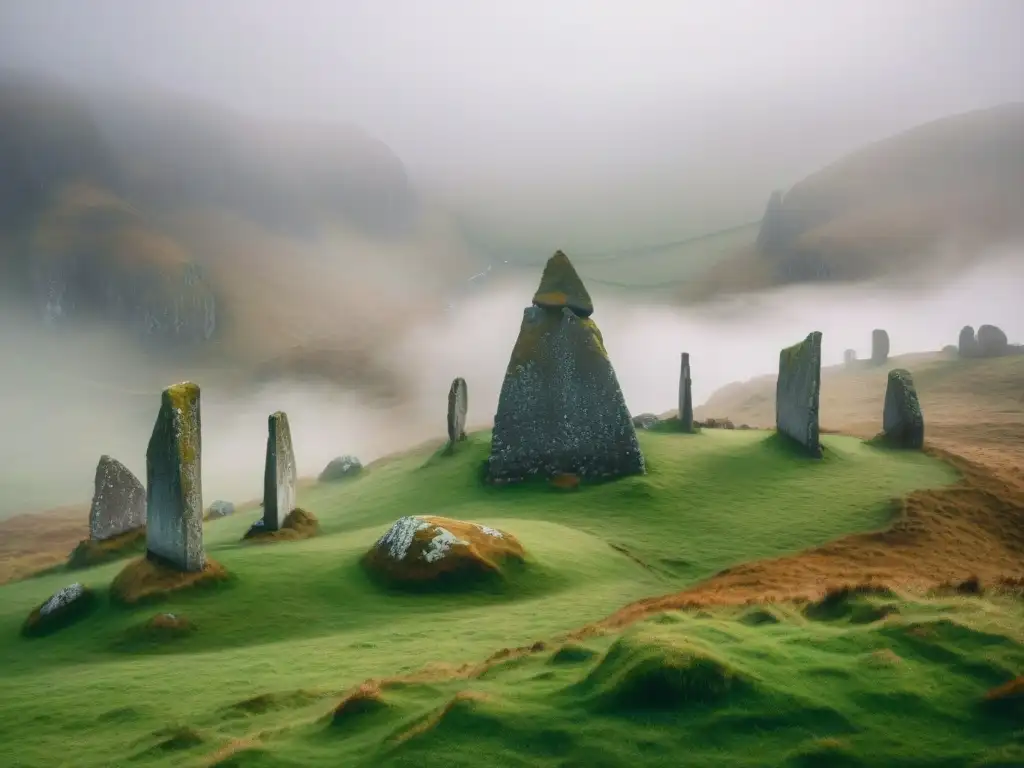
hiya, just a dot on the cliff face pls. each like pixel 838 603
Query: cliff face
pixel 93 188
pixel 898 198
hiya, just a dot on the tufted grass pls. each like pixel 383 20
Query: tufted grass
pixel 298 625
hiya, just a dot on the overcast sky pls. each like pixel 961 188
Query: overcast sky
pixel 498 94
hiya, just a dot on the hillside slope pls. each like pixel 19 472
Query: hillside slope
pixel 940 194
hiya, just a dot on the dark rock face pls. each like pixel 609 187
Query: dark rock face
pixel 797 393
pixel 458 402
pixel 685 394
pixel 560 286
pixel 118 501
pixel 561 410
pixel 279 472
pixel 967 344
pixel 902 421
pixel 849 357
pixel 879 346
pixel 992 341
pixel 340 468
pixel 174 485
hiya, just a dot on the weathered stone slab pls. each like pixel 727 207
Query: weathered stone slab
pixel 902 420
pixel 797 392
pixel 174 487
pixel 561 286
pixel 879 346
pixel 458 402
pixel 967 344
pixel 118 501
pixel 685 394
pixel 279 472
pixel 561 410
pixel 849 357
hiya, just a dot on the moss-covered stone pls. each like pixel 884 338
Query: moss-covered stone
pixel 279 472
pixel 297 524
pixel 420 550
pixel 63 608
pixel 560 286
pixel 902 420
pixel 174 488
pixel 118 501
pixel 561 409
pixel 797 393
pixel 458 403
pixel 90 552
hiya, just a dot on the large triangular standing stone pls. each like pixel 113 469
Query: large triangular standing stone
pixel 797 393
pixel 561 411
pixel 174 486
pixel 118 501
pixel 685 394
pixel 279 473
pixel 560 286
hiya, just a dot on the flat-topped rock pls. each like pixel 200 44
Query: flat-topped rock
pixel 423 549
pixel 561 286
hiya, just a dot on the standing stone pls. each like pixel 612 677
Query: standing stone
pixel 118 501
pixel 849 357
pixel 458 401
pixel 879 346
pixel 174 487
pixel 797 392
pixel 279 473
pixel 902 421
pixel 685 394
pixel 992 341
pixel 967 344
pixel 561 410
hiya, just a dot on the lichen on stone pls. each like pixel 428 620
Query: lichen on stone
pixel 797 393
pixel 62 598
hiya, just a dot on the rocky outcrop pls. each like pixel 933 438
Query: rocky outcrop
pixel 458 402
pixel 797 393
pixel 561 409
pixel 879 346
pixel 340 468
pixel 425 550
pixel 992 341
pixel 902 421
pixel 174 485
pixel 279 472
pixel 685 394
pixel 118 501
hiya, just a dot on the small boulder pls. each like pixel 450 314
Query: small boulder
pixel 646 421
pixel 220 508
pixel 64 607
pixel 341 468
pixel 425 550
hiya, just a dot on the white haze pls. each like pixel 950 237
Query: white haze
pixel 65 399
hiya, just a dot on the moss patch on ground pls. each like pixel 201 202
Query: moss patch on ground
pixel 144 580
pixel 90 552
pixel 297 524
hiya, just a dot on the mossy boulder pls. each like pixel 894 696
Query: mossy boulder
pixel 561 286
pixel 149 579
pixel 65 607
pixel 90 552
pixel 561 410
pixel 340 468
pixel 902 421
pixel 646 421
pixel 428 550
pixel 797 393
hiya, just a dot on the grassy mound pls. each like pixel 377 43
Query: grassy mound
pixel 306 616
pixel 39 624
pixel 155 633
pixel 89 552
pixel 144 580
pixel 297 524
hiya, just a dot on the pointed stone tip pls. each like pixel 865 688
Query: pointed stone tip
pixel 561 286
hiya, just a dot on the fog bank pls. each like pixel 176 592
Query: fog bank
pixel 67 398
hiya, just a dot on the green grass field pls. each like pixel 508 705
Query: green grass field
pixel 299 624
